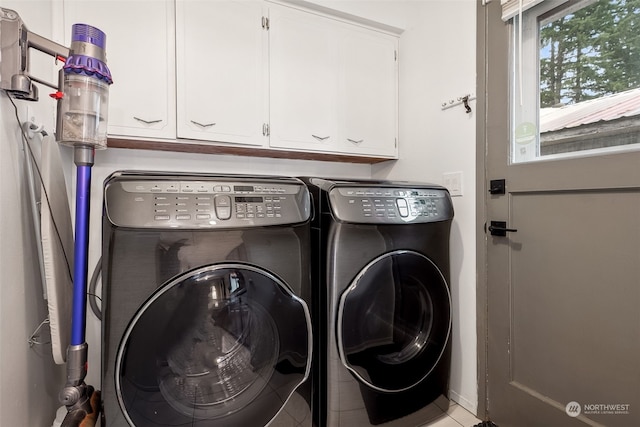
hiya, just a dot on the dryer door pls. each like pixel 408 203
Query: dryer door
pixel 394 321
pixel 221 345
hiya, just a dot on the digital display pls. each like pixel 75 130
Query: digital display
pixel 249 200
pixel 243 188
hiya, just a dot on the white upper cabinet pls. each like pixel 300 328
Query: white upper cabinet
pixel 140 55
pixel 246 73
pixel 303 80
pixel 221 71
pixel 368 93
pixel 333 85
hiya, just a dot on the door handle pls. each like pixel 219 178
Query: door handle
pixel 203 125
pixel 499 228
pixel 147 122
pixel 320 138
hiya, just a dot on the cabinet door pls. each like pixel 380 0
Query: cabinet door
pixel 140 41
pixel 221 71
pixel 303 80
pixel 368 100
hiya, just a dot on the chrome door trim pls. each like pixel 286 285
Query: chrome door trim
pixel 352 286
pixel 180 278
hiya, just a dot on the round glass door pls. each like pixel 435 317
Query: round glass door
pixel 394 321
pixel 219 345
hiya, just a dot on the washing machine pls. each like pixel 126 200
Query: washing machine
pixel 206 301
pixel 383 318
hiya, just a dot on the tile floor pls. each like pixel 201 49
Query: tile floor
pixel 454 416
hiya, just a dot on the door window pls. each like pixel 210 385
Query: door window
pixel 227 342
pixel 576 79
pixel 394 321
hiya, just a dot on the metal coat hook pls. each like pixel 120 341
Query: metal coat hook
pixel 464 100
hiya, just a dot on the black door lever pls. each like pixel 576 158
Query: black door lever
pixel 499 228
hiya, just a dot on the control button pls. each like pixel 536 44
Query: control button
pixel 222 201
pixel 223 207
pixel 226 189
pixel 217 188
pixel 162 217
pixel 223 212
pixel 183 217
pixel 403 208
pixel 203 216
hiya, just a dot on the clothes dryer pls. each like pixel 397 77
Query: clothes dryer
pixel 383 322
pixel 206 293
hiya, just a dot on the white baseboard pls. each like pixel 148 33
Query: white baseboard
pixel 464 402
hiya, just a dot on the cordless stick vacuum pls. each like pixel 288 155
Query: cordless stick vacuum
pixel 82 124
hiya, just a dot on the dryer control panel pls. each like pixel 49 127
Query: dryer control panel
pixel 389 205
pixel 204 201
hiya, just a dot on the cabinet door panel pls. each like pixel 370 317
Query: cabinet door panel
pixel 140 57
pixel 303 81
pixel 221 71
pixel 368 92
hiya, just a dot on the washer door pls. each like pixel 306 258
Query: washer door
pixel 394 321
pixel 224 344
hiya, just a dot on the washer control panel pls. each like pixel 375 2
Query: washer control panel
pixel 390 205
pixel 208 202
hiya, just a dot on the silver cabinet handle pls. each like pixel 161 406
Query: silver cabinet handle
pixel 355 141
pixel 147 122
pixel 320 138
pixel 203 125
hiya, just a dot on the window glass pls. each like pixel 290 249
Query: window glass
pixel 576 79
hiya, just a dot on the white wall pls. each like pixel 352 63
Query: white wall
pixel 437 63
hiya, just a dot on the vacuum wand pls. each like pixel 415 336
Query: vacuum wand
pixel 76 395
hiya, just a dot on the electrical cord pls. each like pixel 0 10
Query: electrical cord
pixel 93 298
pixel 44 189
pixel 92 290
